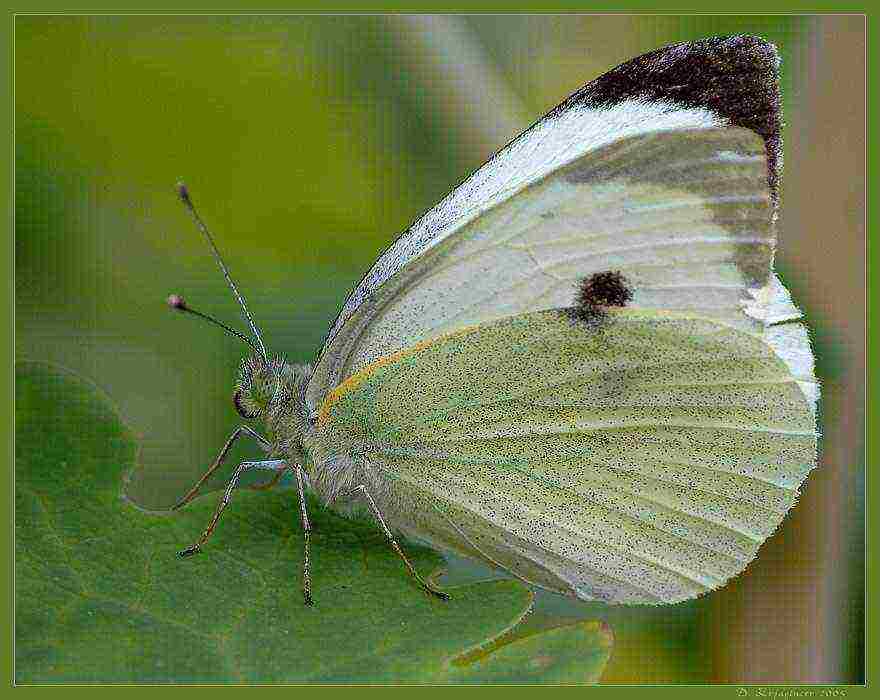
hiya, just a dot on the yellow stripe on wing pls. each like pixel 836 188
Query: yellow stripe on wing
pixel 359 377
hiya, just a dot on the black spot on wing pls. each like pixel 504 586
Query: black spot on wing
pixel 604 289
pixel 596 294
pixel 736 78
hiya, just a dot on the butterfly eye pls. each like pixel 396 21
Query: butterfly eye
pixel 236 401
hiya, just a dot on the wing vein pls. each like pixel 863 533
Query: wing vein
pixel 652 560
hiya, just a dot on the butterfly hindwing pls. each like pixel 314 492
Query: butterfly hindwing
pixel 644 459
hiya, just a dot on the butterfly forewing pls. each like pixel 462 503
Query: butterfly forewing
pixel 685 216
pixel 665 168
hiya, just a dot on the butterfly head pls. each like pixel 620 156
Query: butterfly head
pixel 266 388
pixel 272 392
pixel 258 387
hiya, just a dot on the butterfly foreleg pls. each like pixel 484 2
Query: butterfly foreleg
pixel 362 490
pixel 193 492
pixel 276 464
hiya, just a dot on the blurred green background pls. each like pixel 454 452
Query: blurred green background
pixel 309 143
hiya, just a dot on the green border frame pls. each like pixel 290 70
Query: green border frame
pixel 502 7
pixel 653 7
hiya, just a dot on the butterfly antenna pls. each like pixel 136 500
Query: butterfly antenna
pixel 177 302
pixel 183 193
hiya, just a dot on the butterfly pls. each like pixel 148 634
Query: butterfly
pixel 579 367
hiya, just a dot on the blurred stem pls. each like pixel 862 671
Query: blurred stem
pixel 461 82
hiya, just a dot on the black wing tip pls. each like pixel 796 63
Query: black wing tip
pixel 759 47
pixel 736 78
pixel 716 74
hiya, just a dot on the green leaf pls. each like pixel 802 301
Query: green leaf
pixel 573 652
pixel 101 596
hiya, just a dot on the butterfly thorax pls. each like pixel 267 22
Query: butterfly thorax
pixel 273 392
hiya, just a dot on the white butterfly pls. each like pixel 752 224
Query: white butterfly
pixel 579 367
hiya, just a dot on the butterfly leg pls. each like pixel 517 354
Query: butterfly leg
pixel 307 529
pixel 193 492
pixel 415 574
pixel 280 465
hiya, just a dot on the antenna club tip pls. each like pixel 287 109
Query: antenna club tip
pixel 175 301
pixel 183 192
